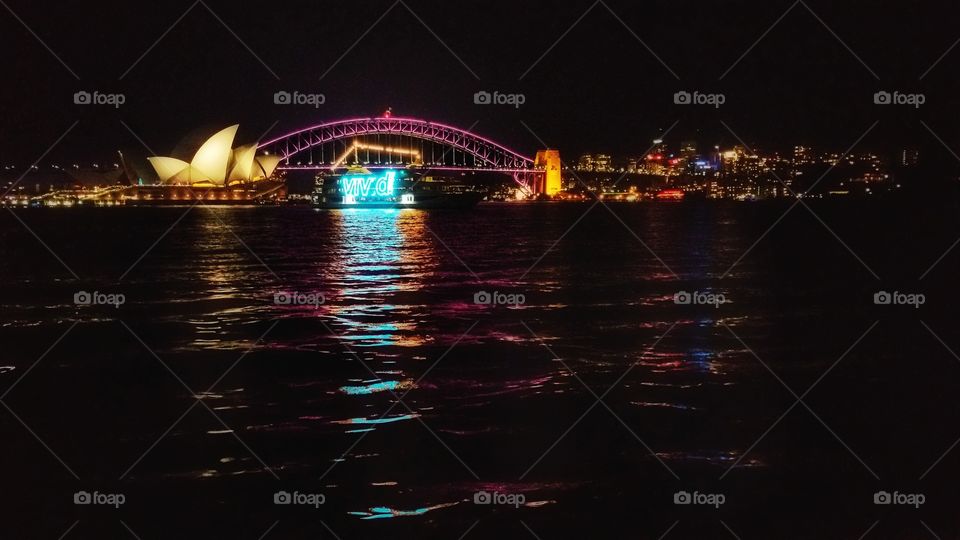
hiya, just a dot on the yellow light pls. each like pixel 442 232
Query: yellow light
pixel 364 146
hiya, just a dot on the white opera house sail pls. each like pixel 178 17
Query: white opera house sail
pixel 217 172
pixel 217 164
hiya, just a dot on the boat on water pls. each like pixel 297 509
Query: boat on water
pixel 358 187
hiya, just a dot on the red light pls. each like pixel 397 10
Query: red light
pixel 671 194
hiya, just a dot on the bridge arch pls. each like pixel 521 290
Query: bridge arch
pixel 488 154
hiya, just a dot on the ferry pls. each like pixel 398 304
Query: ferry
pixel 358 187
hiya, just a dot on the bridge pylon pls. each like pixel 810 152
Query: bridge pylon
pixel 549 182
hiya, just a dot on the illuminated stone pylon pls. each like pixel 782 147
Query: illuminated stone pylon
pixel 549 162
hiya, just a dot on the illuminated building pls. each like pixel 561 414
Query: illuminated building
pixel 832 158
pixel 802 155
pixel 216 164
pixel 595 163
pixel 585 163
pixel 688 149
pixel 216 172
pixel 603 163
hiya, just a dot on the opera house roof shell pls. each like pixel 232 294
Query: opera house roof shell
pixel 217 163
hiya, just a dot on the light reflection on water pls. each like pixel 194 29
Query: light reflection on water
pixel 377 386
pixel 381 420
pixel 377 255
pixel 390 292
pixel 384 512
pixel 398 299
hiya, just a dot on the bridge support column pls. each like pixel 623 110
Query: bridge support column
pixel 549 162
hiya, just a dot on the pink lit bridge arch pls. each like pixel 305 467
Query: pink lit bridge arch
pixel 441 147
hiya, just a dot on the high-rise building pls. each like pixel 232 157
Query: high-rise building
pixel 688 149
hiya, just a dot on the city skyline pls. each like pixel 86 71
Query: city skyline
pixel 714 172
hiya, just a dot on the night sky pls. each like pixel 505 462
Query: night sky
pixel 597 89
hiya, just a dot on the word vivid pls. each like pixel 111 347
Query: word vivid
pixel 369 185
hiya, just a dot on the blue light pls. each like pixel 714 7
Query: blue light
pixel 368 185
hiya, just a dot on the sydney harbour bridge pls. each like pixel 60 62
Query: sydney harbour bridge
pixel 387 142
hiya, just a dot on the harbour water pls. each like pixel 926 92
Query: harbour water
pixel 344 353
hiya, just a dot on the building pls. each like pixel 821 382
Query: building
pixel 595 163
pixel 217 164
pixel 802 155
pixel 603 163
pixel 585 163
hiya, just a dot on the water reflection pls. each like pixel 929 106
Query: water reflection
pixel 376 386
pixel 379 261
pixel 379 420
pixel 384 512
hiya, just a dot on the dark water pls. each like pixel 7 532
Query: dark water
pixel 199 397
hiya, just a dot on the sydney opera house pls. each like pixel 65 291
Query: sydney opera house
pixel 217 164
pixel 218 172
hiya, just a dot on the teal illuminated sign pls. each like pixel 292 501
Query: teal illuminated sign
pixel 369 185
